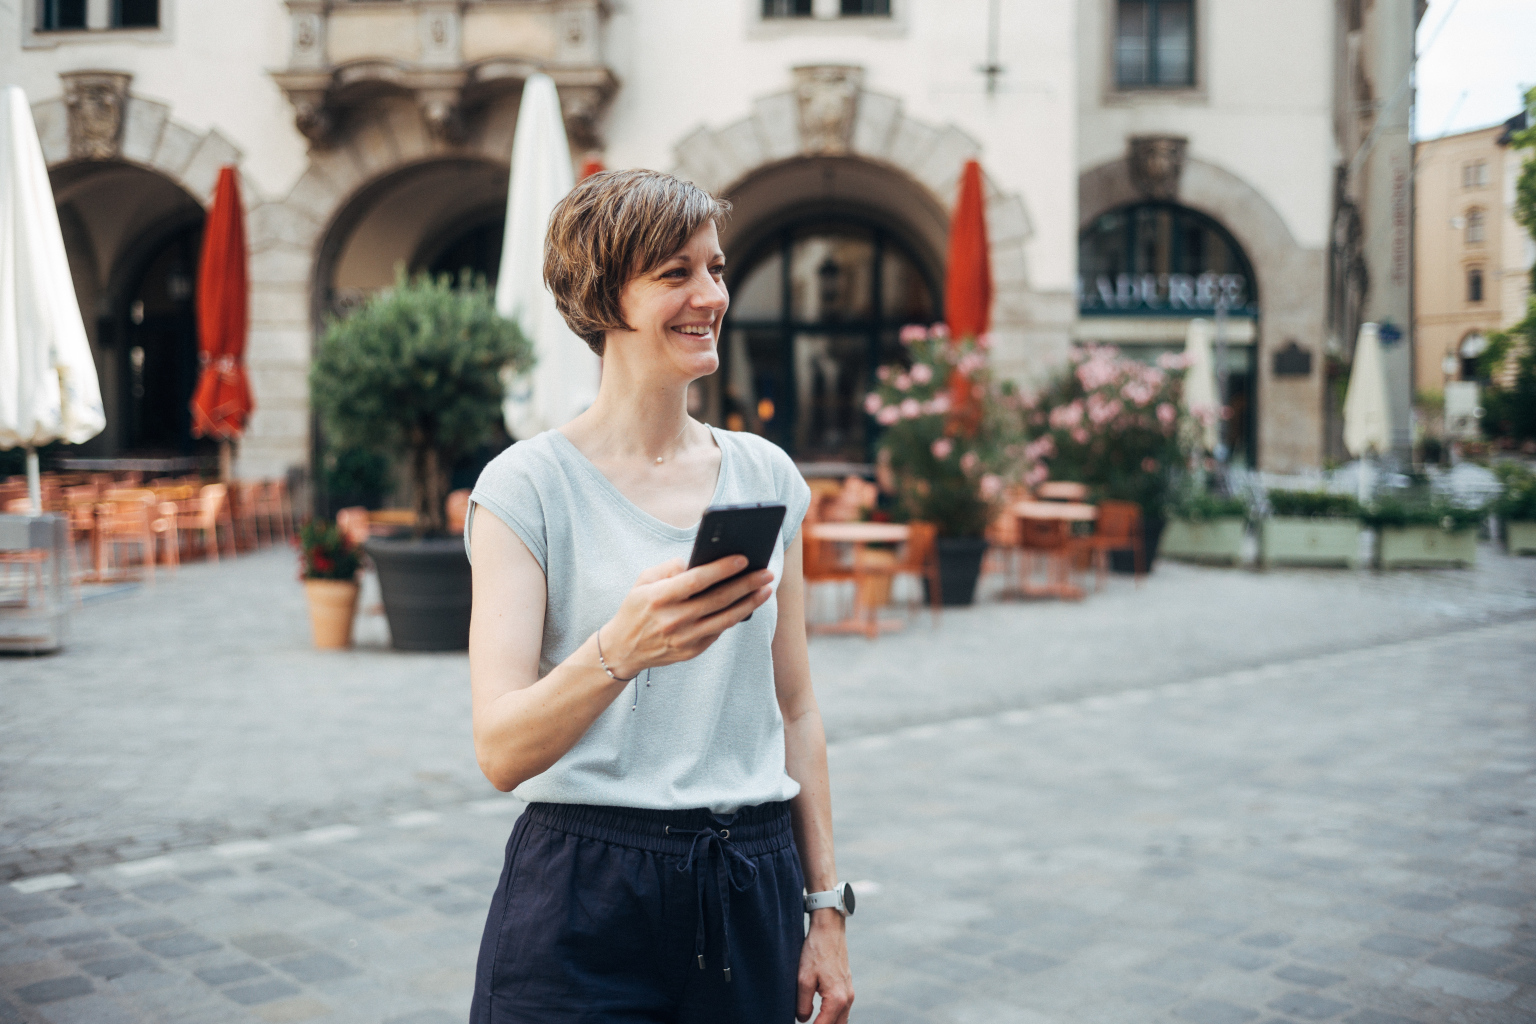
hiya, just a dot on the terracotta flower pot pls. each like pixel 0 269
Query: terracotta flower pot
pixel 332 609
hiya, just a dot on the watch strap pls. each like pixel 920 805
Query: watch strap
pixel 831 899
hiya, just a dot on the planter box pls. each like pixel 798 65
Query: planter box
pixel 1305 540
pixel 1520 538
pixel 1217 541
pixel 1425 546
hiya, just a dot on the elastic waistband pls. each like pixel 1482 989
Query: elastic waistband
pixel 755 830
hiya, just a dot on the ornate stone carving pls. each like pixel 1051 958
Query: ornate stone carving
pixel 96 101
pixel 314 119
pixel 828 96
pixel 1156 162
pixel 582 106
pixel 440 109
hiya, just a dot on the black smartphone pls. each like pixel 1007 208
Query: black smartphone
pixel 748 530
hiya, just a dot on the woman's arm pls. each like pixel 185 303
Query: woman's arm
pixel 824 957
pixel 523 724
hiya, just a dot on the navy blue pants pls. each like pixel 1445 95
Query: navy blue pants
pixel 624 916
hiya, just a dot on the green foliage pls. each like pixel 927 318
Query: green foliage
pixel 356 476
pixel 324 553
pixel 1390 510
pixel 1517 503
pixel 417 370
pixel 1525 185
pixel 1511 412
pixel 1112 423
pixel 1314 504
pixel 1200 507
pixel 948 425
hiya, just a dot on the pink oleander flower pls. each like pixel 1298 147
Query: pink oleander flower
pixel 939 331
pixel 1043 447
pixel 1173 361
pixel 940 403
pixel 1036 476
pixel 984 342
pixel 942 448
pixel 1067 416
pixel 1166 414
pixel 913 333
pixel 1149 465
pixel 872 403
pixel 884 373
pixel 922 373
pixel 903 383
pixel 969 461
pixel 991 486
pixel 888 415
pixel 911 409
pixel 1080 435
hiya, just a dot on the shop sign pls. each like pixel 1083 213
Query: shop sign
pixel 1162 293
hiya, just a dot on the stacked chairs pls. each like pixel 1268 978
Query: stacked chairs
pixel 202 519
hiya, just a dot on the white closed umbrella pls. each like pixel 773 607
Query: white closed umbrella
pixel 48 387
pixel 1367 420
pixel 563 381
pixel 1200 396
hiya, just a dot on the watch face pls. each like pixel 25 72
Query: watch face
pixel 848 898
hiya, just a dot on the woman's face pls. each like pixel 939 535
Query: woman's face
pixel 675 309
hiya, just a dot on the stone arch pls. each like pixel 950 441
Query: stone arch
pixel 830 114
pixel 1291 281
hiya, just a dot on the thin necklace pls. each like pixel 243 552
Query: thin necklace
pixel 686 422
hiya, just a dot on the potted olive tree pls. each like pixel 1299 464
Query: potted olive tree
pixel 416 372
pixel 1421 533
pixel 1206 528
pixel 946 427
pixel 1516 508
pixel 1310 528
pixel 328 566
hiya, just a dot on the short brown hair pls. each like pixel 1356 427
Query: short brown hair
pixel 611 227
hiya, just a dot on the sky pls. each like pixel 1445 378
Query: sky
pixel 1473 73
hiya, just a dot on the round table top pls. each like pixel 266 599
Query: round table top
pixel 1068 510
pixel 860 533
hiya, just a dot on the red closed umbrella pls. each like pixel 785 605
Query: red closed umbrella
pixel 968 283
pixel 967 290
pixel 222 403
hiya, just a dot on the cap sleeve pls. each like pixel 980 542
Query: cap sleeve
pixel 508 489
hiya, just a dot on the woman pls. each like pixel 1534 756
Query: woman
pixel 671 751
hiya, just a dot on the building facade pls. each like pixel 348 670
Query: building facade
pixel 1146 161
pixel 1472 259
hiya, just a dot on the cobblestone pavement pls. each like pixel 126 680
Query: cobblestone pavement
pixel 1223 796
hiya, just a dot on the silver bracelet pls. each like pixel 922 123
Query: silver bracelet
pixel 604 663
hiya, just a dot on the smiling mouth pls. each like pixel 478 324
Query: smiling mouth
pixel 696 330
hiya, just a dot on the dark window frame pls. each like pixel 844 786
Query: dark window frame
pixel 1180 258
pixel 1151 83
pixel 1475 288
pixel 787 10
pixel 48 16
pixel 118 7
pixel 883 9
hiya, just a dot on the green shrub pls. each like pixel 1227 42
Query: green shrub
pixel 1314 505
pixel 1199 508
pixel 1390 511
pixel 1518 502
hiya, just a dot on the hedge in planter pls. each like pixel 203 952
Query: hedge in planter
pixel 417 371
pixel 1206 528
pixel 1310 528
pixel 1423 534
pixel 1516 509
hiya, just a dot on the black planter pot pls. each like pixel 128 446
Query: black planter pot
pixel 1151 534
pixel 959 568
pixel 426 587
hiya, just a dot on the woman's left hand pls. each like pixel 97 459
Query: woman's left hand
pixel 824 970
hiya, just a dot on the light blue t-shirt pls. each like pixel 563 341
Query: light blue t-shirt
pixel 706 732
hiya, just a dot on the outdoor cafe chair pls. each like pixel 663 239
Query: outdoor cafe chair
pixel 1047 543
pixel 201 522
pixel 920 557
pixel 1118 528
pixel 277 507
pixel 128 521
pixel 1061 490
pixel 244 499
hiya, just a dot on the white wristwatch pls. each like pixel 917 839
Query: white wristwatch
pixel 839 899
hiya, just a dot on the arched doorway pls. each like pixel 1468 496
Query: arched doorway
pixel 133 238
pixel 1146 270
pixel 817 307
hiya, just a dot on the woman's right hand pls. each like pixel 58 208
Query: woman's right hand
pixel 667 618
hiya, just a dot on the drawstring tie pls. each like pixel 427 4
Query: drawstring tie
pixel 728 860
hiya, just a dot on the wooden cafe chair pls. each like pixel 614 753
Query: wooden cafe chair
pixel 1118 528
pixel 207 514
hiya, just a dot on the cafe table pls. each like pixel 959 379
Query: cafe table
pixel 1058 560
pixel 866 614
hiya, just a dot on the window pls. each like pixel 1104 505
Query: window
pixel 786 8
pixel 135 13
pixel 58 15
pixel 1475 175
pixel 1154 44
pixel 1475 284
pixel 1158 259
pixel 866 8
pixel 1474 227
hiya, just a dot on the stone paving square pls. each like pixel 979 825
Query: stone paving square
pixel 1224 796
